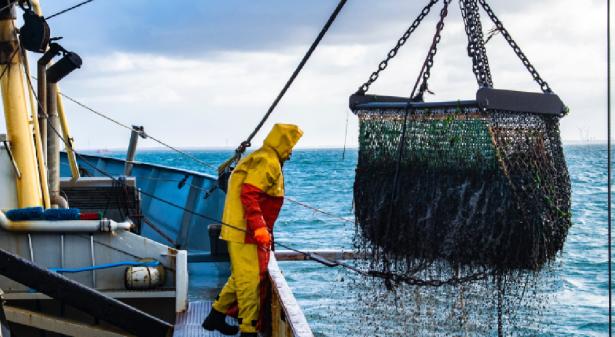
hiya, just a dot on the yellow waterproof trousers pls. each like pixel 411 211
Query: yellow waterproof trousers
pixel 243 288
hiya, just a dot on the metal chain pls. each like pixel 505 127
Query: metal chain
pixel 227 165
pixel 413 281
pixel 393 52
pixel 424 74
pixel 544 86
pixel 433 50
pixel 476 44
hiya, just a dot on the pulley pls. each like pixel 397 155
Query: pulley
pixel 34 34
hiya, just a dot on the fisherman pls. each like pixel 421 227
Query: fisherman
pixel 253 201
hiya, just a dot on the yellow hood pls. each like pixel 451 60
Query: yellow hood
pixel 282 138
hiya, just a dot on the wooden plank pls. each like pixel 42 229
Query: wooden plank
pixel 295 319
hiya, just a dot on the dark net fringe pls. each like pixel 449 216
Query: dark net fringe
pixel 475 188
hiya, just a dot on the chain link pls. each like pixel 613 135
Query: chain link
pixel 544 86
pixel 432 52
pixel 414 281
pixel 393 52
pixel 476 45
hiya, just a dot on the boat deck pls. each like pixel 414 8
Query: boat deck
pixel 188 323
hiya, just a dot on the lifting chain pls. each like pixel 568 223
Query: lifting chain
pixel 413 281
pixel 476 45
pixel 393 52
pixel 426 73
pixel 544 86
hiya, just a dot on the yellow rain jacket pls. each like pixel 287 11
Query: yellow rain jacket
pixel 253 200
pixel 261 169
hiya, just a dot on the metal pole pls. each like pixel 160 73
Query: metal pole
pixel 41 73
pixel 18 123
pixel 38 140
pixel 137 131
pixel 53 148
pixel 69 141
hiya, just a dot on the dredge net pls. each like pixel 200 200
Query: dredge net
pixel 460 212
pixel 476 190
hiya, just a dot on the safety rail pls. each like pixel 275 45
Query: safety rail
pixel 287 318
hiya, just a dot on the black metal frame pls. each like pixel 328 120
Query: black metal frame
pixel 486 98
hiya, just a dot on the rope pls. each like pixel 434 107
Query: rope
pixel 68 9
pixel 247 143
pixel 319 210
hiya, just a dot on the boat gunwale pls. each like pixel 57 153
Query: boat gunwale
pixel 158 166
pixel 294 316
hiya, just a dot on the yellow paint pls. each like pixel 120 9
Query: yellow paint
pixel 36 7
pixel 42 168
pixel 19 128
pixel 68 140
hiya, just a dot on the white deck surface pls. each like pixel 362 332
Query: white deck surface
pixel 188 323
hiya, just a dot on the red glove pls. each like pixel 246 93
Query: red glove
pixel 262 236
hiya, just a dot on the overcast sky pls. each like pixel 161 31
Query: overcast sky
pixel 200 73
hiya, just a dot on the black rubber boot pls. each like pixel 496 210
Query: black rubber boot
pixel 216 321
pixel 248 334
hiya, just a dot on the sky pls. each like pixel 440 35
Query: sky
pixel 201 73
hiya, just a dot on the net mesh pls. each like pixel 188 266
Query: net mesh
pixel 475 188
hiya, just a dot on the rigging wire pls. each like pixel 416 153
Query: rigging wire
pixel 192 157
pixel 345 135
pixel 68 9
pixel 286 198
pixel 170 147
pixel 247 143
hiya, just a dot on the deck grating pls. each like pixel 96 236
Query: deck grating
pixel 188 323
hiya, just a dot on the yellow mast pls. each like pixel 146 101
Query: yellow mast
pixel 18 120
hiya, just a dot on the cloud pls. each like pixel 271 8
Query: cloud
pixel 203 73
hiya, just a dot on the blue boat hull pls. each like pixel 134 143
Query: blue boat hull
pixel 191 190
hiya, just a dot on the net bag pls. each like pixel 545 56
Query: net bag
pixel 473 183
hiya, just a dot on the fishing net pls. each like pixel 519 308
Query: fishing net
pixel 466 187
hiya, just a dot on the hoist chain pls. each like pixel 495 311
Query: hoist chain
pixel 426 73
pixel 413 281
pixel 544 86
pixel 476 44
pixel 393 52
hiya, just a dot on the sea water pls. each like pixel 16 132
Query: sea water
pixel 323 178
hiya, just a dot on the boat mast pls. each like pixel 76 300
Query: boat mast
pixel 69 142
pixel 18 120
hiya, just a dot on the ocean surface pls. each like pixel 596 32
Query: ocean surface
pixel 575 300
